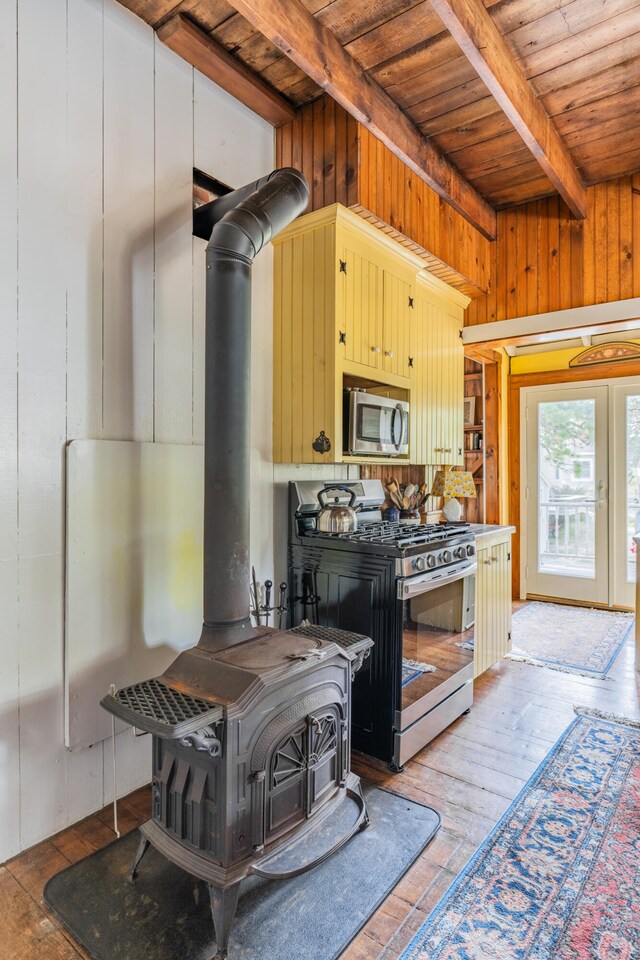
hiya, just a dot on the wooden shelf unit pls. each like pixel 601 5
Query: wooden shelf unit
pixel 474 459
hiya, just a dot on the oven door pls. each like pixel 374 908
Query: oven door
pixel 377 425
pixel 437 655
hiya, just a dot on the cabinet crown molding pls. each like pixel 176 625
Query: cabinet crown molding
pixel 338 214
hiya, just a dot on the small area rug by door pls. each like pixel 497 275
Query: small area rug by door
pixel 165 914
pixel 558 877
pixel 577 640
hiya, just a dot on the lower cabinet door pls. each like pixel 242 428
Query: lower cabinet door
pixel 493 605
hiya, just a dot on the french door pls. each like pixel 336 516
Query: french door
pixel 581 485
pixel 625 490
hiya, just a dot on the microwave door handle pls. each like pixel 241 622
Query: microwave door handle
pixel 397 442
pixel 407 589
pixel 353 417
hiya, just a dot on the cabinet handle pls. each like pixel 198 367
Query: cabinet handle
pixel 388 353
pixel 438 449
pixel 375 349
pixel 447 449
pixel 490 560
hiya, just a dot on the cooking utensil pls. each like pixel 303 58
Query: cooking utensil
pixel 282 603
pixel 337 517
pixel 409 490
pixel 256 596
pixel 393 494
pixel 267 601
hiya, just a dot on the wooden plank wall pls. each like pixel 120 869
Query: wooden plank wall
pixel 393 193
pixel 544 260
pixel 102 336
pixel 344 163
pixel 322 142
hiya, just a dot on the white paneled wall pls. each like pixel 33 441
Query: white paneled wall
pixel 101 336
pixel 9 582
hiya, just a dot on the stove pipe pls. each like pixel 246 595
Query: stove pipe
pixel 242 222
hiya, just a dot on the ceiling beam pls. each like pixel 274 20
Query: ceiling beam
pixel 202 52
pixel 486 49
pixel 292 29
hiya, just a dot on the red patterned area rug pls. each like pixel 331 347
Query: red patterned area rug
pixel 559 877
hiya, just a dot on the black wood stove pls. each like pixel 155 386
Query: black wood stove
pixel 251 728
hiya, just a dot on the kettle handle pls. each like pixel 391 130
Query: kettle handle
pixel 336 486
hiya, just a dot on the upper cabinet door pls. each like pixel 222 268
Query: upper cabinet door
pixel 396 329
pixel 438 378
pixel 377 299
pixel 361 280
pixel 453 391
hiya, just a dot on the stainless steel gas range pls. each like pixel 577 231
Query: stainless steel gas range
pixel 411 589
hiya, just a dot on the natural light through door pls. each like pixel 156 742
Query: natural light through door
pixel 625 490
pixel 566 494
pixel 581 483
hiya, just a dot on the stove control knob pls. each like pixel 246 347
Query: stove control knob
pixel 420 563
pixel 471 550
pixel 446 556
pixel 431 560
pixel 460 553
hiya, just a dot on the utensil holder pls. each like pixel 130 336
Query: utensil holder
pixel 410 516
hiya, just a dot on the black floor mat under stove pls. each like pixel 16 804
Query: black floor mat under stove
pixel 165 914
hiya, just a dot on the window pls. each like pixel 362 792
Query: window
pixel 583 468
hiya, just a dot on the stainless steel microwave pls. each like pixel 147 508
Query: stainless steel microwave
pixel 375 425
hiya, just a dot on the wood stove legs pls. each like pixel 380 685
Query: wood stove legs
pixel 223 909
pixel 143 846
pixel 224 901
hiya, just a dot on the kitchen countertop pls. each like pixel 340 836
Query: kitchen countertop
pixel 484 532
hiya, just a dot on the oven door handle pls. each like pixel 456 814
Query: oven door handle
pixel 417 585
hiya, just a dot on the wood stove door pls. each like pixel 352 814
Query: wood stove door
pixel 326 755
pixel 304 769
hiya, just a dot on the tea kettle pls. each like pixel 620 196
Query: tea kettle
pixel 337 517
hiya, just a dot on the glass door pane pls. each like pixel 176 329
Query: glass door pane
pixel 566 493
pixel 566 488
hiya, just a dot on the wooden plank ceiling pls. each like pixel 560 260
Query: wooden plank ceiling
pixel 581 59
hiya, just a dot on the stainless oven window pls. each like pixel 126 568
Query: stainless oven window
pixel 435 634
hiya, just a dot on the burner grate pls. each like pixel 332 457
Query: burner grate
pixel 343 638
pixel 159 709
pixel 397 535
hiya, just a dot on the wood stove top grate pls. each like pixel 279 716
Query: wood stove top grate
pixel 344 638
pixel 157 708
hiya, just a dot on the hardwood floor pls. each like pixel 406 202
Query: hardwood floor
pixel 470 774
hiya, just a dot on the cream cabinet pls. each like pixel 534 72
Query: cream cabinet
pixel 353 307
pixel 375 299
pixel 437 378
pixel 493 599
